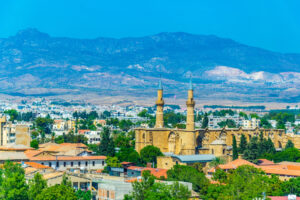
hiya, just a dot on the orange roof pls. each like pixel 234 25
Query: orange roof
pixel 133 180
pixel 283 170
pixel 126 163
pixel 265 162
pixel 157 172
pixel 99 171
pixel 78 145
pixel 32 153
pixel 37 165
pixel 72 158
pixel 235 164
pixel 82 131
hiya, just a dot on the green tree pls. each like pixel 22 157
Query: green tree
pixel 252 151
pixel 150 153
pixel 113 162
pixel 57 192
pixel 245 182
pixel 217 161
pixel 84 195
pixel 235 154
pixel 220 176
pixel 128 155
pixel 289 144
pixel 34 144
pixel 189 174
pixel 13 114
pixel 36 186
pixel 243 144
pixel 228 122
pixel 107 146
pixel 147 189
pixel 13 183
pixel 205 121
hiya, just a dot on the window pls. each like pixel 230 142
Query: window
pixel 86 163
pixel 107 195
pixel 57 164
pixel 79 163
pixel 65 164
pixel 71 164
pixel 93 163
pixel 42 163
pixel 50 164
pixel 102 162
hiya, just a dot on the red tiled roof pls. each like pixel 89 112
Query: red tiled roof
pixel 157 172
pixel 280 198
pixel 235 164
pixel 37 165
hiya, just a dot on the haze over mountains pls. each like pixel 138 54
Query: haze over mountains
pixel 34 63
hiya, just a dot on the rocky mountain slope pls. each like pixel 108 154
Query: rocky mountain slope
pixel 34 63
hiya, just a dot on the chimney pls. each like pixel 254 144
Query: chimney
pixel 149 165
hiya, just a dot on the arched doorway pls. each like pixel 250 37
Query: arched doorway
pixel 172 142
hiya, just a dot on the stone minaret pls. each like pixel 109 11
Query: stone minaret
pixel 159 107
pixel 190 103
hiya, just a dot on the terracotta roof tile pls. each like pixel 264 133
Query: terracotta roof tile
pixel 62 158
pixel 37 165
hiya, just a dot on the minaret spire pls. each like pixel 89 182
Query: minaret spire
pixel 190 103
pixel 159 107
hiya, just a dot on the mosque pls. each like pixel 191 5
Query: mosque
pixel 198 145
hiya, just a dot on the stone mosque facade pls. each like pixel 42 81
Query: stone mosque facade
pixel 191 141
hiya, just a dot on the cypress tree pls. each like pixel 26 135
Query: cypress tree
pixel 243 144
pixel 234 149
pixel 107 146
pixel 205 121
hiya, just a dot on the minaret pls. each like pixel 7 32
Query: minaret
pixel 190 103
pixel 159 107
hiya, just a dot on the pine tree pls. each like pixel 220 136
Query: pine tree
pixel 289 144
pixel 234 149
pixel 243 144
pixel 107 146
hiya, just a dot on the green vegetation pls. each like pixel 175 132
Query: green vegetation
pixel 107 146
pixel 228 122
pixel 245 182
pixel 223 113
pixel 235 154
pixel 13 186
pixel 85 120
pixel 148 189
pixel 189 174
pixel 258 148
pixel 149 154
pixel 71 138
pixel 205 121
pixel 34 144
pixel 13 114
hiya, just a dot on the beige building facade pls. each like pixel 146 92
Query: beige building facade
pixel 191 141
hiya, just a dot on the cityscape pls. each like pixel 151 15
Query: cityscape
pixel 149 101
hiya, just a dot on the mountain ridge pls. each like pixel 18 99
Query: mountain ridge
pixel 32 61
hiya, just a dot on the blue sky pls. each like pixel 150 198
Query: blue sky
pixel 270 24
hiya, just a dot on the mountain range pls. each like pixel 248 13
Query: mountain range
pixel 33 63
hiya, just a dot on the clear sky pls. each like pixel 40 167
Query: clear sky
pixel 270 24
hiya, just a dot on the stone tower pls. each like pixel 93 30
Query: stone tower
pixel 159 107
pixel 190 103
